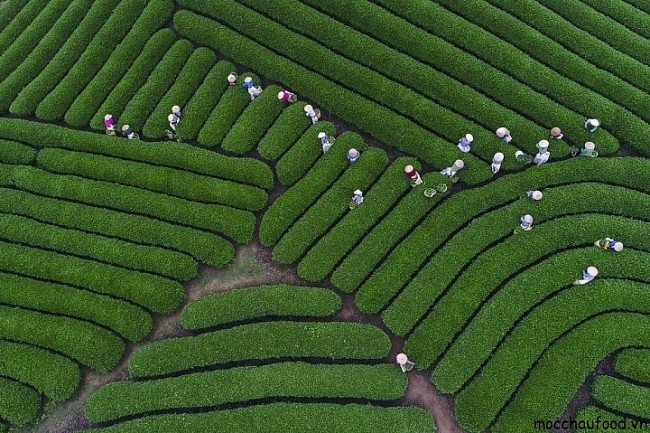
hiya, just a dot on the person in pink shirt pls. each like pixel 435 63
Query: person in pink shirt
pixel 110 124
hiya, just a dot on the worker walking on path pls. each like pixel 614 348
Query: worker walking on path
pixel 404 363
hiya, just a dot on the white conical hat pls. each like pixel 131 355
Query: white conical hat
pixel 498 157
pixel 594 122
pixel 125 127
pixel 591 270
pixel 543 144
pixel 353 152
pixel 308 108
pixel 281 94
pixel 518 153
pixel 590 146
pixel 232 77
pixel 401 358
pixel 469 137
pixel 556 131
pixel 501 132
pixel 248 80
pixel 408 169
pixel 170 117
pixel 108 116
pixel 618 246
pixel 537 195
pixel 176 109
pixel 528 218
pixel 322 135
pixel 459 164
pixel 358 192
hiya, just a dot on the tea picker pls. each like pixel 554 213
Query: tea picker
pixel 522 157
pixel 176 112
pixel 589 150
pixel 173 124
pixel 357 199
pixel 314 115
pixel 504 134
pixel 287 96
pixel 451 171
pixel 128 132
pixel 543 154
pixel 110 124
pixel 404 363
pixel 591 125
pixel 556 133
pixel 587 275
pixel 232 78
pixel 325 141
pixel 525 224
pixel 353 155
pixel 535 195
pixel 496 162
pixel 253 91
pixel 609 244
pixel 412 173
pixel 465 143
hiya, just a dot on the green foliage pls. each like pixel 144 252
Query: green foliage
pixel 273 340
pixel 369 116
pixel 181 156
pixel 286 130
pixel 130 83
pixel 283 417
pixel 150 291
pixel 119 399
pixel 231 105
pixel 122 317
pixel 332 247
pixel 56 69
pixel 53 375
pixel 90 345
pixel 624 13
pixel 15 16
pixel 258 302
pixel 377 244
pixel 319 217
pixel 205 247
pixel 287 208
pixel 188 80
pixel 621 396
pixel 200 106
pixel 253 123
pixel 19 404
pixel 32 65
pixel 82 109
pixel 158 83
pixel 575 78
pixel 633 363
pixel 417 38
pixel 565 366
pixel 297 161
pixel 28 231
pixel 170 181
pixel 475 285
pixel 588 416
pixel 126 17
pixel 12 152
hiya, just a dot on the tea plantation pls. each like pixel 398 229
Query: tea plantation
pixel 104 237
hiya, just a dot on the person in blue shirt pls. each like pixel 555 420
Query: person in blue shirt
pixel 609 244
pixel 465 143
pixel 587 275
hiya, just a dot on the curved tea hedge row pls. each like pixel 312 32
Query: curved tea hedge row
pixel 19 404
pixel 280 417
pixel 633 363
pixel 242 384
pixel 274 340
pixel 259 302
pixel 122 317
pixel 287 129
pixel 382 123
pixel 622 396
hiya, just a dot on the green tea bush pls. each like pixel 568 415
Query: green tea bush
pixel 633 363
pixel 332 205
pixel 19 404
pixel 123 399
pixel 621 396
pixel 51 374
pixel 273 340
pixel 84 342
pixel 154 15
pixel 256 302
pixel 331 248
pixel 15 18
pixel 12 152
pixel 124 318
pixel 286 131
